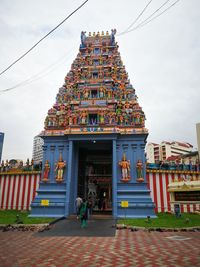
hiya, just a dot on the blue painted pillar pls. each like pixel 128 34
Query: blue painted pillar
pixel 114 180
pixel 69 177
pixel 52 162
pixel 44 159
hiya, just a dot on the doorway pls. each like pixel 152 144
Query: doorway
pixel 95 174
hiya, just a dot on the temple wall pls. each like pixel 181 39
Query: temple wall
pixel 17 190
pixel 158 182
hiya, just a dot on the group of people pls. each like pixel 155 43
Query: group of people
pixel 83 210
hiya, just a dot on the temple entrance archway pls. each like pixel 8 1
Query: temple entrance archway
pixel 95 174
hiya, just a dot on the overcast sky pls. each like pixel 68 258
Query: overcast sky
pixel 161 58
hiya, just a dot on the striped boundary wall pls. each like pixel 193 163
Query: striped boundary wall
pixel 158 182
pixel 18 190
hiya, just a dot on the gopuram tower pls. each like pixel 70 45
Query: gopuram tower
pixel 94 138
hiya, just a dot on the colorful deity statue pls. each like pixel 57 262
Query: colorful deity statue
pixel 139 171
pixel 59 170
pixel 84 117
pixel 125 168
pixel 113 32
pixel 46 171
pixel 86 94
pixel 83 37
pixel 101 92
pixel 101 117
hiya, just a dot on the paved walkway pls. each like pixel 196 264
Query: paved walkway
pixel 126 248
pixel 72 228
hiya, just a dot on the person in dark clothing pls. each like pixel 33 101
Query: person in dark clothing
pixel 84 213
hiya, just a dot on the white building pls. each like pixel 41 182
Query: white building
pixel 164 150
pixel 198 137
pixel 37 149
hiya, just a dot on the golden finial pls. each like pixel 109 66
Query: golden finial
pixel 102 33
pixel 89 33
pixel 98 33
pixel 107 33
pixel 94 33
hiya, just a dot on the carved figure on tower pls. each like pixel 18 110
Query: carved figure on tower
pixel 139 171
pixel 97 83
pixel 59 170
pixel 83 37
pixel 46 171
pixel 113 32
pixel 125 169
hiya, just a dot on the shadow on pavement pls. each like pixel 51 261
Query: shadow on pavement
pixel 72 227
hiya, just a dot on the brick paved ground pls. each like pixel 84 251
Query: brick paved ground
pixel 127 248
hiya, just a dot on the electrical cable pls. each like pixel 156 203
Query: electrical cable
pixel 154 13
pixel 35 77
pixel 136 18
pixel 43 38
pixel 143 24
pixel 146 21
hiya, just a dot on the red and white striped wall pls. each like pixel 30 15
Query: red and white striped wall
pixel 158 182
pixel 18 190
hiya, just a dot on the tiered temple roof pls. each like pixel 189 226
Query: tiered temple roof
pixel 97 96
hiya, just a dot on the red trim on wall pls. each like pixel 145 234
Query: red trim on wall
pixel 161 193
pixel 182 208
pixel 155 192
pixel 8 192
pixel 168 196
pixel 188 207
pixel 3 192
pixel 23 191
pixel 29 190
pixel 172 177
pixel 18 191
pixel 13 193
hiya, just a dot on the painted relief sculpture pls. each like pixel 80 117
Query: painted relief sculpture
pixel 97 95
pixel 125 169
pixel 59 170
pixel 96 118
pixel 139 171
pixel 46 171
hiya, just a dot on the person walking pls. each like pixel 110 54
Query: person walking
pixel 84 213
pixel 78 203
pixel 90 207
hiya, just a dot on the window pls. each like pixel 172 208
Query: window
pixel 93 119
pixel 94 93
pixel 95 75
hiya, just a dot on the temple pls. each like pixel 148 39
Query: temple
pixel 94 138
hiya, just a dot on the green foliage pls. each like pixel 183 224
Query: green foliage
pixel 16 217
pixel 165 220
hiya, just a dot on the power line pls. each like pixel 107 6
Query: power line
pixel 136 18
pixel 38 76
pixel 153 13
pixel 43 38
pixel 143 24
pixel 148 20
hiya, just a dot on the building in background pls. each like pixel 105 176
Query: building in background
pixel 37 149
pixel 198 137
pixel 1 144
pixel 166 150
